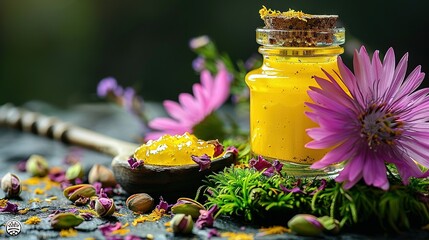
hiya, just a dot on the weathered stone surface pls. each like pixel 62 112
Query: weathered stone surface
pixel 109 120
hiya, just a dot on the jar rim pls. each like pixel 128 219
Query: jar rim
pixel 300 38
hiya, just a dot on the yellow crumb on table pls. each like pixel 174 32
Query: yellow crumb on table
pixel 33 220
pixel 68 232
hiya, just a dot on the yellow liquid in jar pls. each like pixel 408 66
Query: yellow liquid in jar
pixel 278 91
pixel 173 150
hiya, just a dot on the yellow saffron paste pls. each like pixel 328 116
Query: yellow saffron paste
pixel 173 150
pixel 278 91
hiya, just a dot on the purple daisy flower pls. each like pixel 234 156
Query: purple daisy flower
pixel 382 118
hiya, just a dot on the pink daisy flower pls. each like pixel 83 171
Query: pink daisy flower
pixel 209 95
pixel 383 118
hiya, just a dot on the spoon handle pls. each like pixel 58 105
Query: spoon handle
pixel 54 128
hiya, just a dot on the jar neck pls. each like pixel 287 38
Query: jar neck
pixel 279 55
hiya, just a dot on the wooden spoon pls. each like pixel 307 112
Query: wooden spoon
pixel 167 181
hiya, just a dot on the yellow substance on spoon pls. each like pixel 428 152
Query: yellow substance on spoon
pixel 174 150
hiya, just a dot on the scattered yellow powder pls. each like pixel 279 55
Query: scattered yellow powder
pixel 264 12
pixel 116 214
pixel 241 165
pixel 36 200
pixel 237 236
pixel 155 215
pixel 24 188
pixel 167 224
pixel 169 229
pixel 23 211
pixel 68 232
pixel 121 231
pixel 44 209
pixel 91 211
pixel 39 191
pixel 90 238
pixel 3 203
pixel 150 236
pixel 50 199
pixel 33 221
pixel 273 230
pixel 1 231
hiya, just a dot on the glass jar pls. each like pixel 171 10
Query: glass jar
pixel 278 92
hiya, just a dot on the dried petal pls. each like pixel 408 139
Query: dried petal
pixel 206 218
pixel 204 161
pixel 134 163
pixel 6 206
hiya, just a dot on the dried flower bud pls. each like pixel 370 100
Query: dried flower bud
pixel 11 185
pixel 37 166
pixel 104 207
pixel 182 223
pixel 74 172
pixel 66 220
pixel 140 202
pixel 187 206
pixel 305 225
pixel 102 174
pixel 75 192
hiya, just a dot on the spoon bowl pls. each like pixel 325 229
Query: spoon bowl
pixel 170 182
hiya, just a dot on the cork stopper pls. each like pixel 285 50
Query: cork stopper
pixel 298 29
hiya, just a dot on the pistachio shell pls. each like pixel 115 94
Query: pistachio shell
pixel 140 202
pixel 187 206
pixel 11 185
pixel 305 225
pixel 74 172
pixel 81 190
pixel 65 220
pixel 182 223
pixel 102 210
pixel 37 166
pixel 102 174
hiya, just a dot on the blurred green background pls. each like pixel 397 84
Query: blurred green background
pixel 57 51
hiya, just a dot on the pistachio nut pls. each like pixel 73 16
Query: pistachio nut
pixel 104 207
pixel 74 172
pixel 140 202
pixel 305 225
pixel 80 190
pixel 37 166
pixel 66 220
pixel 102 174
pixel 187 206
pixel 182 223
pixel 331 225
pixel 11 185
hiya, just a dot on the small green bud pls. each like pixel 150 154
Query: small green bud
pixel 140 202
pixel 77 191
pixel 305 225
pixel 187 206
pixel 182 223
pixel 65 220
pixel 11 185
pixel 37 166
pixel 74 172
